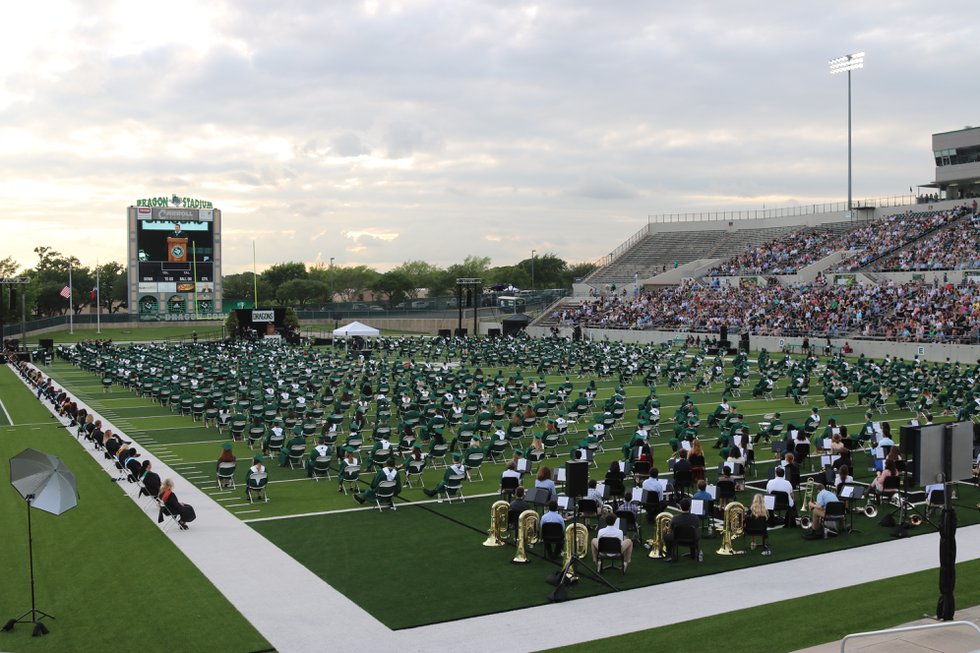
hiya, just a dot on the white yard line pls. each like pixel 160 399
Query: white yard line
pixel 9 419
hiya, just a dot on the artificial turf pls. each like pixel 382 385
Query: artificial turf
pixel 360 552
pixel 807 621
pixel 103 569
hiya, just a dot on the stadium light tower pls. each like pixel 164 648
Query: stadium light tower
pixel 847 63
pixel 533 252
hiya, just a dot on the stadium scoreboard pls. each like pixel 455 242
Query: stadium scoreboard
pixel 174 258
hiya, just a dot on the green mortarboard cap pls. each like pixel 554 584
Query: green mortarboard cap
pixel 226 446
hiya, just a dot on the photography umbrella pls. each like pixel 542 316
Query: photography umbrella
pixel 46 484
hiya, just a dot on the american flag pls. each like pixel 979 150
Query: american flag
pixel 65 292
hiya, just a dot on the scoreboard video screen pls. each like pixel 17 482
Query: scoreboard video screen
pixel 175 246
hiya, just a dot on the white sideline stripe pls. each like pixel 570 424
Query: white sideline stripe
pixel 595 617
pixel 8 414
pixel 406 504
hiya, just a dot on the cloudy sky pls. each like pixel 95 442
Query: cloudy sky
pixel 376 132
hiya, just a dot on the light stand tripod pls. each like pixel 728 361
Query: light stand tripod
pixel 564 578
pixel 34 614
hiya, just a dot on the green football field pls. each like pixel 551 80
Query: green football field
pixel 430 550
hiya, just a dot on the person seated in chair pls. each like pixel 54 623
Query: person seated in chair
pixel 553 549
pixel 348 459
pixel 383 444
pixel 415 456
pixel 819 506
pixel 318 450
pixel 511 471
pixel 595 495
pixel 757 522
pixel 779 484
pixel 519 504
pixel 891 469
pixel 258 467
pixel 275 432
pixel 456 469
pixel 295 440
pixel 150 479
pixel 543 480
pixel 775 427
pixel 169 502
pixel 682 520
pixel 722 410
pixel 610 530
pixel 387 473
pixel 653 486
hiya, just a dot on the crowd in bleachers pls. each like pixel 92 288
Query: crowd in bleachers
pixel 915 311
pixel 892 232
pixel 954 248
pixel 873 240
pixel 781 255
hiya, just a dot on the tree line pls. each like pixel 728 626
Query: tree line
pixel 49 277
pixel 284 284
pixel 296 284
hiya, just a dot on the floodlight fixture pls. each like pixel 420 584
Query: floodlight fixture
pixel 847 63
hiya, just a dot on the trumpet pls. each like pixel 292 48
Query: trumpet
pixel 498 524
pixel 527 534
pixel 661 526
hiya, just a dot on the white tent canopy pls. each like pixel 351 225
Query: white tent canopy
pixel 356 329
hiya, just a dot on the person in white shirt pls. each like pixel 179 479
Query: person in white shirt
pixel 610 530
pixel 653 484
pixel 511 471
pixel 780 484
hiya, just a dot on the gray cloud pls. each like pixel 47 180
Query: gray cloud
pixel 487 128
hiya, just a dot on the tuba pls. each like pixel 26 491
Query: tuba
pixel 661 526
pixel 498 524
pixel 805 519
pixel 527 534
pixel 577 544
pixel 733 522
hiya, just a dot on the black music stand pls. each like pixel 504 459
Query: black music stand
pixel 854 492
pixel 566 577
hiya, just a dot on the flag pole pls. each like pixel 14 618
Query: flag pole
pixel 71 306
pixel 255 280
pixel 98 301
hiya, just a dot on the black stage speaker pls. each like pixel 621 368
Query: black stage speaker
pixel 577 478
pixel 493 333
pixel 577 333
pixel 723 336
pixel 445 333
pixel 744 343
pixel 46 343
pixel 461 332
